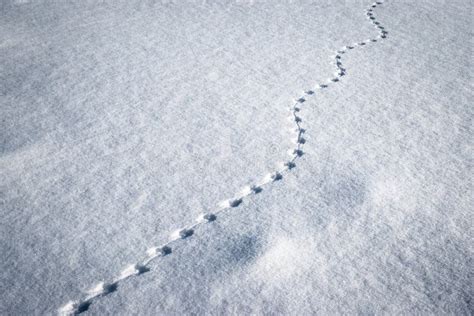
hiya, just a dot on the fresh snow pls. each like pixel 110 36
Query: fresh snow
pixel 238 157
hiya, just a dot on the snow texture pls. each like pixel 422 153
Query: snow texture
pixel 246 157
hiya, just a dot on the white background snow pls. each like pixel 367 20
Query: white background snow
pixel 123 120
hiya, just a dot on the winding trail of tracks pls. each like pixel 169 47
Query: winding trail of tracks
pixel 297 133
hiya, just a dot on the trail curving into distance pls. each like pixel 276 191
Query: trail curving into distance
pixel 297 131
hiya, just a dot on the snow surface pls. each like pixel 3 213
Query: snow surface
pixel 123 121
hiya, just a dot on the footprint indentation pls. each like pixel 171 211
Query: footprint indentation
pixel 252 189
pixel 83 306
pixel 276 176
pixel 299 140
pixel 103 288
pixel 296 152
pixel 183 233
pixel 159 251
pixel 208 217
pixel 235 202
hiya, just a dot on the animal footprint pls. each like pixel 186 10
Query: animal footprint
pixel 103 288
pixel 159 251
pixel 208 217
pixel 182 233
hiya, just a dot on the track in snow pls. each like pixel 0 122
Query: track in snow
pixel 297 132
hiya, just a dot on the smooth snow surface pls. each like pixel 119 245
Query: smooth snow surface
pixel 296 166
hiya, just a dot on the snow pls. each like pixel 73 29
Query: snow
pixel 124 121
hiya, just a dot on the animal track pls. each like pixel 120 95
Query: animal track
pixel 182 233
pixel 209 217
pixel 158 251
pixel 105 288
